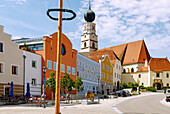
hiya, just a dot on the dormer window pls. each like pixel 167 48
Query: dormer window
pixel 157 74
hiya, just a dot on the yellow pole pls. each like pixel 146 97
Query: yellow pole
pixel 57 95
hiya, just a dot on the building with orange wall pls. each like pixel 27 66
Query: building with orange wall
pixel 47 47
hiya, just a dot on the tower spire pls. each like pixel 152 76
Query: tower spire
pixel 89 4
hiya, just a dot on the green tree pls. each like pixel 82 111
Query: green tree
pixel 124 85
pixel 81 89
pixel 131 85
pixel 67 83
pixel 78 84
pixel 51 84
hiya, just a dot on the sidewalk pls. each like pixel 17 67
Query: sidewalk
pixel 105 107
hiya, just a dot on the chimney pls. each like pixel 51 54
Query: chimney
pixel 146 62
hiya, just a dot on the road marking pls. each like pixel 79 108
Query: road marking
pixel 117 110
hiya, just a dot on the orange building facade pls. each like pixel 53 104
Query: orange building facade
pixel 49 58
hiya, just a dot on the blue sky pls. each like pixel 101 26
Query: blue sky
pixel 117 21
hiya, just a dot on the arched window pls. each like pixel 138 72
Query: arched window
pixel 132 69
pixel 93 45
pixel 84 44
pixel 167 75
pixel 124 70
pixel 139 75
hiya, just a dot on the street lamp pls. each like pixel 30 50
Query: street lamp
pixel 98 77
pixel 43 95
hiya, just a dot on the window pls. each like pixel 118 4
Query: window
pixel 68 69
pixel 15 70
pixel 93 77
pixel 34 64
pixel 1 68
pixel 90 77
pixel 73 71
pixel 49 64
pixel 110 69
pixel 80 63
pixel 90 67
pixel 124 70
pixel 63 49
pixel 62 68
pixel 107 77
pixel 96 69
pixel 119 67
pixel 80 74
pixel 93 68
pixel 33 81
pixel 77 73
pixel 87 76
pixel 167 75
pixel 103 66
pixel 55 64
pixel 87 66
pixel 115 75
pixel 1 47
pixel 103 75
pixel 93 45
pixel 111 77
pixel 157 74
pixel 167 84
pixel 87 87
pixel 139 75
pixel 107 68
pixel 83 64
pixel 83 75
pixel 84 44
pixel 132 69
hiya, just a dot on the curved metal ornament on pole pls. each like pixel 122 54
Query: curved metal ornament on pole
pixel 57 94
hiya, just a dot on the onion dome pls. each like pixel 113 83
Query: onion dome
pixel 89 16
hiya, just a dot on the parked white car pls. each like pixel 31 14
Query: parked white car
pixel 130 91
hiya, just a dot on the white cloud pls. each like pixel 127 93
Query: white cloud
pixel 130 20
pixel 18 1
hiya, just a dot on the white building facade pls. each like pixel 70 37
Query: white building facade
pixel 33 69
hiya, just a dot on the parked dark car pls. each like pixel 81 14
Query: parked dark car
pixel 124 94
pixel 127 93
pixel 119 93
pixel 104 97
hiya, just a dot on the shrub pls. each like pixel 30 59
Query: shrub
pixel 151 89
pixel 142 87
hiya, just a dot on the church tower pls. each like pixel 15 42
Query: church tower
pixel 89 39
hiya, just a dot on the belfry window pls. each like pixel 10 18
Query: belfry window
pixel 84 44
pixel 93 45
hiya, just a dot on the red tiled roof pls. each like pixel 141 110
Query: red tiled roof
pixel 159 64
pixel 129 53
pixel 143 69
pixel 96 55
